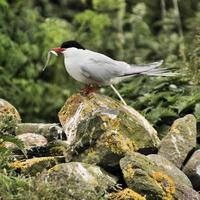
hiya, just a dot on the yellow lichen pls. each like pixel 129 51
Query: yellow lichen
pixel 128 172
pixel 30 162
pixel 166 183
pixel 126 194
pixel 118 143
pixel 54 169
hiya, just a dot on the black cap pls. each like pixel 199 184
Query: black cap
pixel 71 43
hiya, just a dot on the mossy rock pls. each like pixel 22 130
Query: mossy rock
pixel 102 130
pixel 34 165
pixel 142 176
pixel 180 140
pixel 7 109
pixel 170 169
pixel 81 180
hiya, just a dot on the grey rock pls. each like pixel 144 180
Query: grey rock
pixel 144 177
pixel 180 140
pixel 184 192
pixel 170 169
pixel 49 131
pixel 80 180
pixel 30 140
pixel 103 130
pixel 192 169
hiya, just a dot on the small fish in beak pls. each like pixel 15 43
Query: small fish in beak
pixel 48 58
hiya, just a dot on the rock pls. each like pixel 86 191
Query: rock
pixel 180 140
pixel 102 130
pixel 142 176
pixel 6 109
pixel 192 169
pixel 184 192
pixel 30 140
pixel 126 194
pixel 34 165
pixel 81 180
pixel 170 169
pixel 49 131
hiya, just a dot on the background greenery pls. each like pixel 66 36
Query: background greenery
pixel 136 31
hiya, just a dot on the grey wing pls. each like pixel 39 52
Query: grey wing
pixel 101 69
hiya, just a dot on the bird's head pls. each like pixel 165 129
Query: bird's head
pixel 66 45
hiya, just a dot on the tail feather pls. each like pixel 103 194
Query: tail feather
pixel 151 69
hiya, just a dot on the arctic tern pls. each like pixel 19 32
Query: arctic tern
pixel 94 68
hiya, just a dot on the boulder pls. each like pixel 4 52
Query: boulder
pixel 192 169
pixel 142 176
pixel 80 180
pixel 170 169
pixel 101 130
pixel 7 109
pixel 34 165
pixel 180 140
pixel 30 140
pixel 50 131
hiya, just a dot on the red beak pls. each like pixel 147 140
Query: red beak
pixel 58 49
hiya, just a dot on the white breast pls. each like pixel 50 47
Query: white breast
pixel 72 59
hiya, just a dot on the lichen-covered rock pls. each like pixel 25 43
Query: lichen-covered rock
pixel 30 140
pixel 170 169
pixel 180 140
pixel 81 180
pixel 6 109
pixel 184 192
pixel 126 194
pixel 142 176
pixel 49 131
pixel 106 127
pixel 34 165
pixel 192 169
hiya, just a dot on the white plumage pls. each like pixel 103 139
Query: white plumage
pixel 97 69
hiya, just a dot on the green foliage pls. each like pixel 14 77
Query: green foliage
pixel 136 31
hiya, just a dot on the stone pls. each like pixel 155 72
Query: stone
pixel 180 140
pixel 7 109
pixel 170 169
pixel 142 176
pixel 34 165
pixel 50 131
pixel 126 194
pixel 184 192
pixel 192 169
pixel 81 180
pixel 101 130
pixel 30 140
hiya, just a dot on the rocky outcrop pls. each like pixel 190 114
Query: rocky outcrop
pixel 180 140
pixel 98 134
pixel 106 127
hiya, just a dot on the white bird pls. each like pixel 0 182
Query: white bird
pixel 94 68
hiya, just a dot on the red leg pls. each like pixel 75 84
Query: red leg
pixel 88 89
